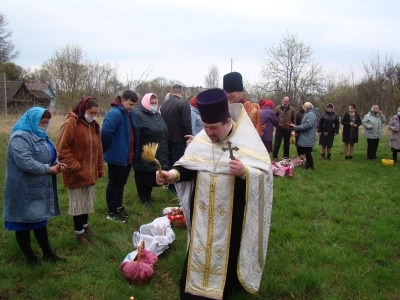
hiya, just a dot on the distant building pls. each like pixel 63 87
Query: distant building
pixel 20 97
pixel 38 88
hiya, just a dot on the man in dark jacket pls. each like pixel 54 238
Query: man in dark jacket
pixel 176 114
pixel 286 115
pixel 120 140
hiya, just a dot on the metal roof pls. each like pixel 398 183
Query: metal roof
pixel 12 88
pixel 40 94
pixel 37 86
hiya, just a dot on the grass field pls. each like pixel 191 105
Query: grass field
pixel 335 234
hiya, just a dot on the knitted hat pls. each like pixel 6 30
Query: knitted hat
pixel 193 102
pixel 213 106
pixel 330 105
pixel 233 82
pixel 265 102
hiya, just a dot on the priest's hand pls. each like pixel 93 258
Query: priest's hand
pixel 236 167
pixel 165 178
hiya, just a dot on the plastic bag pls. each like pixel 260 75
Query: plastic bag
pixel 157 235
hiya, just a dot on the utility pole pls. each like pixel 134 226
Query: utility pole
pixel 231 64
pixel 5 94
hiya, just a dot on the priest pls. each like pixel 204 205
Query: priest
pixel 224 183
pixel 233 85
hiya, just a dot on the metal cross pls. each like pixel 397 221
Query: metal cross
pixel 230 148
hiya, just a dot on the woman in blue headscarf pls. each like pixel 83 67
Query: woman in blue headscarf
pixel 30 192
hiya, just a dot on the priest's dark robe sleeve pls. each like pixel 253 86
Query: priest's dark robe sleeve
pixel 185 174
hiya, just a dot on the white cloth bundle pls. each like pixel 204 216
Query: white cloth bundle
pixel 156 235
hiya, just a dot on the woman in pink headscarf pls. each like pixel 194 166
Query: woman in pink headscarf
pixel 268 120
pixel 152 129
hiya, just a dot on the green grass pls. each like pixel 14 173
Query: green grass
pixel 334 235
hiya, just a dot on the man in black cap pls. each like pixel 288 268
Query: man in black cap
pixel 224 183
pixel 233 85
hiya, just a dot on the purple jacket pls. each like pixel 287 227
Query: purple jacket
pixel 268 120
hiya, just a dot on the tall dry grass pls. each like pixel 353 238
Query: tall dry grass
pixel 7 123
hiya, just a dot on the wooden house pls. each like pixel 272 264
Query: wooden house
pixel 20 98
pixel 38 88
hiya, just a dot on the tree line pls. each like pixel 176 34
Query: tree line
pixel 289 69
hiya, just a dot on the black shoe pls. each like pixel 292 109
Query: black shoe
pixel 145 201
pixel 323 156
pixel 121 211
pixel 117 217
pixel 34 262
pixel 53 258
pixel 350 157
pixel 346 157
pixel 329 157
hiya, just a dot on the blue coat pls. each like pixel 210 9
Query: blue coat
pixel 30 192
pixel 307 129
pixel 115 136
pixel 197 124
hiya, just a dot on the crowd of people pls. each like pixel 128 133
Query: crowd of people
pixel 303 125
pixel 214 154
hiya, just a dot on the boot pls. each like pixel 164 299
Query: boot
pixel 144 200
pixel 394 155
pixel 350 157
pixel 82 239
pixel 33 262
pixel 323 156
pixel 329 156
pixel 346 157
pixel 88 233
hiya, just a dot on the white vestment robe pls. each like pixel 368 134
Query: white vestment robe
pixel 209 233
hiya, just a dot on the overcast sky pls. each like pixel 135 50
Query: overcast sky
pixel 181 39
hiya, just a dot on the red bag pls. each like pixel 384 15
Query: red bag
pixel 139 269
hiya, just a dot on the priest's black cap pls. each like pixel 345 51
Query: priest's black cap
pixel 213 106
pixel 233 82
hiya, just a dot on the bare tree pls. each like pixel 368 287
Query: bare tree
pixel 7 48
pixel 73 76
pixel 380 84
pixel 132 84
pixel 67 69
pixel 290 70
pixel 212 78
pixel 159 86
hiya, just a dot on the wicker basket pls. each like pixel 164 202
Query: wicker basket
pixel 387 162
